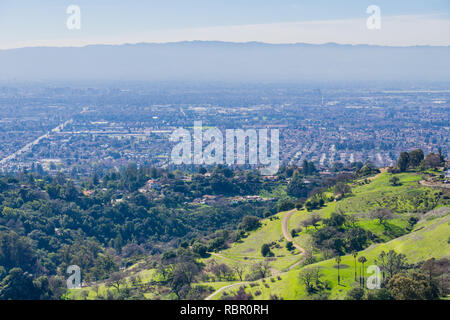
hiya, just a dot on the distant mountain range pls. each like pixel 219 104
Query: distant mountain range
pixel 224 61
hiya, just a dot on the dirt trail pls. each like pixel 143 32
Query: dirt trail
pixel 287 235
pixel 212 295
pixel 382 170
pixel 434 184
pixel 274 271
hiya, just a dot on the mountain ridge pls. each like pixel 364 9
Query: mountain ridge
pixel 228 61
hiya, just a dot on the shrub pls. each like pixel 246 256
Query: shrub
pixel 356 293
pixel 265 250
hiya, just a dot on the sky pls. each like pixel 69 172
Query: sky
pixel 25 23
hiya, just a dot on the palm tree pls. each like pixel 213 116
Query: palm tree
pixel 355 254
pixel 362 260
pixel 338 260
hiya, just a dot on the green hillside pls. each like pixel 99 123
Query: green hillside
pixel 429 240
pixel 427 237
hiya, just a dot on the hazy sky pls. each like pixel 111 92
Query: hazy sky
pixel 403 22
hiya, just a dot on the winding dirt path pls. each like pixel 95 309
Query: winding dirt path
pixel 212 295
pixel 274 271
pixel 288 237
pixel 434 185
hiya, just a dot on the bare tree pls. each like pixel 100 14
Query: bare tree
pixel 262 269
pixel 116 280
pixel 315 218
pixel 391 262
pixel 239 270
pixel 309 277
pixel 382 214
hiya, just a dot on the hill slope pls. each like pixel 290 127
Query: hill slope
pixel 429 240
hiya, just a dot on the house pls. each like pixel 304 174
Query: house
pixel 88 193
pixel 153 184
pixel 270 178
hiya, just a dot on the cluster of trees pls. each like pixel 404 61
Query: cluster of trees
pixel 427 280
pixel 179 269
pixel 311 277
pixel 417 159
pixel 339 234
pixel 367 169
pixel 49 223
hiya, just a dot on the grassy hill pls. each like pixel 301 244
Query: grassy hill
pixel 430 239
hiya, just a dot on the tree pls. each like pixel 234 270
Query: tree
pixel 183 274
pixel 362 260
pixel 342 189
pixel 286 205
pixel 356 293
pixel 355 254
pixel 338 261
pixel 403 161
pixel 261 269
pixel 412 286
pixel 18 285
pixel 431 161
pixel 306 223
pixel 16 251
pixel 428 267
pixel 391 263
pixel 315 219
pixel 382 214
pixel 241 295
pixel 394 181
pixel 416 157
pixel 239 270
pixel 296 187
pixel 307 276
pixel 289 246
pixel 308 168
pixel 116 280
pixel 249 223
pixel 222 271
pixel 299 205
pixel 200 249
pixel 265 250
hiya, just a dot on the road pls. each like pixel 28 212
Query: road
pixel 30 145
